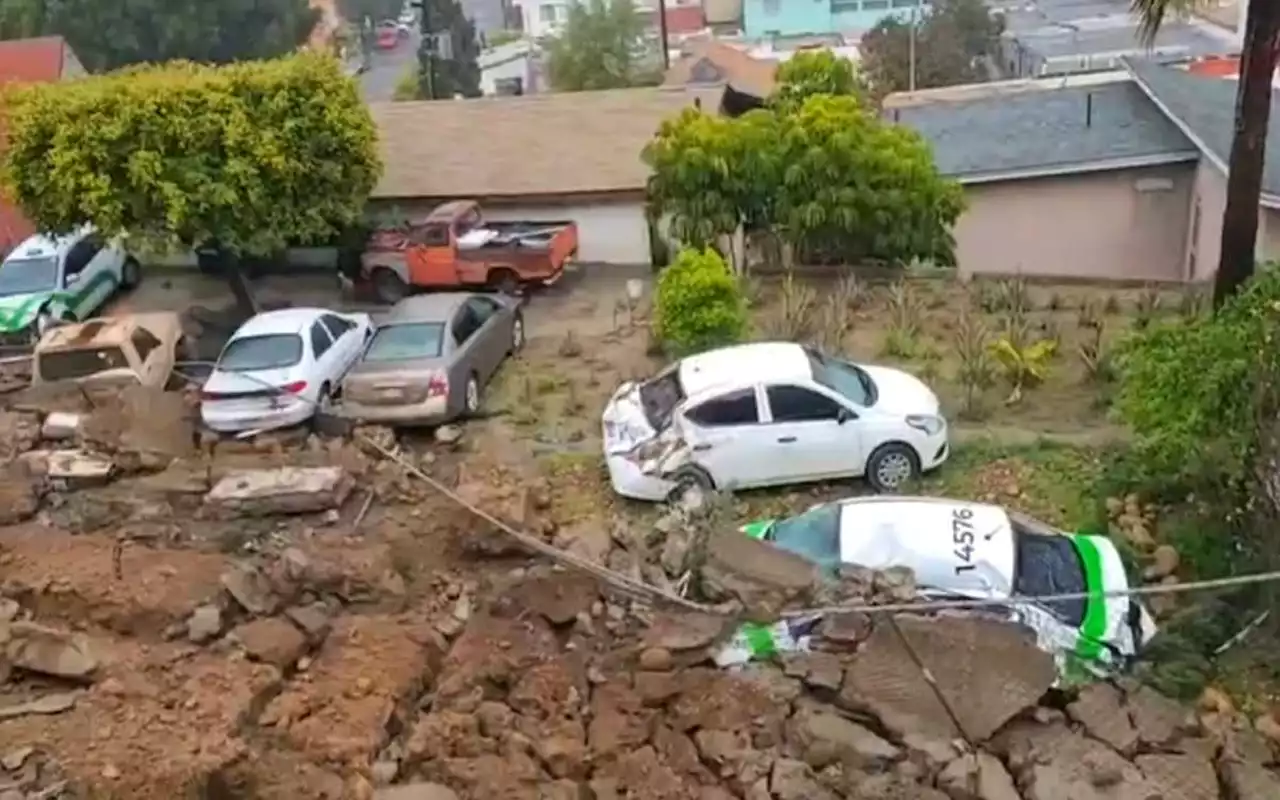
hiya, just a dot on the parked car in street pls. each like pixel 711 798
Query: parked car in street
pixel 430 358
pixel 133 348
pixel 279 366
pixel 387 35
pixel 768 414
pixel 46 280
pixel 959 549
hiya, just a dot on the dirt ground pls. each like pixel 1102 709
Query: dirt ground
pixel 384 642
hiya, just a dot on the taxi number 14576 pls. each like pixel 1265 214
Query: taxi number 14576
pixel 962 536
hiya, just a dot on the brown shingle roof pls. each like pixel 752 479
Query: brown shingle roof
pixel 558 143
pixel 37 60
pixel 745 74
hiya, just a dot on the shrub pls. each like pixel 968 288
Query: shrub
pixel 699 304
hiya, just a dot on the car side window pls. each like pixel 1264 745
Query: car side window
pixel 483 308
pixel 798 404
pixel 336 325
pixel 320 341
pixel 144 341
pixel 81 253
pixel 734 408
pixel 464 324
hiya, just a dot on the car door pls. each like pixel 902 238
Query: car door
pixel 812 434
pixel 463 327
pixel 97 280
pixel 346 342
pixel 491 340
pixel 325 355
pixel 723 434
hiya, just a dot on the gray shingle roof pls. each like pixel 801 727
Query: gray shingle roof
pixel 1046 129
pixel 1207 107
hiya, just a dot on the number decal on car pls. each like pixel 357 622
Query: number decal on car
pixel 962 536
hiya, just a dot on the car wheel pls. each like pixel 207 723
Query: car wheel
pixel 471 396
pixel 517 334
pixel 892 466
pixel 690 481
pixel 130 274
pixel 505 281
pixel 389 287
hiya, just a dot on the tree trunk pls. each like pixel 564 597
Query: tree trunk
pixel 1248 149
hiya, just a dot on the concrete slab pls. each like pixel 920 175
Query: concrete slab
pixel 285 490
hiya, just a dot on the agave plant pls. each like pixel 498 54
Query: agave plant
pixel 1023 366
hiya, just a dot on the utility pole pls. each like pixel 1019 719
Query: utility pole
pixel 911 53
pixel 662 32
pixel 426 49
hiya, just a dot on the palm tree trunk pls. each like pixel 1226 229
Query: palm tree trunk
pixel 1248 149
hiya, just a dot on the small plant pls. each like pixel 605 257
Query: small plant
pixel 899 344
pixel 905 308
pixel 1099 368
pixel 1112 305
pixel 1049 331
pixel 699 304
pixel 1012 295
pixel 928 370
pixel 752 290
pixel 1055 302
pixel 1090 313
pixel 982 295
pixel 1146 306
pixel 976 371
pixel 1192 302
pixel 851 293
pixel 570 347
pixel 1023 366
pixel 835 321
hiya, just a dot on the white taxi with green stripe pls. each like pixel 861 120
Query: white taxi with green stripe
pixel 60 278
pixel 976 550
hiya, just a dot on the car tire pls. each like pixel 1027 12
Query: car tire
pixel 389 287
pixel 505 281
pixel 892 466
pixel 130 274
pixel 517 334
pixel 690 479
pixel 471 396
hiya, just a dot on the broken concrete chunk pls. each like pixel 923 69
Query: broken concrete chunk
pixel 204 624
pixel 1184 777
pixel 1100 709
pixel 1248 780
pixel 416 791
pixel 1159 720
pixel 313 620
pixel 272 641
pixel 47 704
pixel 251 589
pixel 46 650
pixel 977 776
pixel 762 577
pixel 682 631
pixel 60 425
pixel 286 490
pixel 824 739
pixel 793 780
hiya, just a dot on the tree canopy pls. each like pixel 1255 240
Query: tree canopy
pixel 441 77
pixel 818 169
pixel 600 48
pixel 812 72
pixel 115 33
pixel 254 156
pixel 952 42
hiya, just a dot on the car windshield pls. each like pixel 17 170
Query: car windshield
pixel 406 341
pixel 845 379
pixel 815 535
pixel 70 365
pixel 1049 564
pixel 28 276
pixel 251 353
pixel 659 396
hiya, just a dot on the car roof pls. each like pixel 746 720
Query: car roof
pixel 284 320
pixel 432 307
pixel 744 363
pixel 41 245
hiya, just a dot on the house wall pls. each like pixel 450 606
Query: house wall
pixel 723 12
pixel 764 19
pixel 546 17
pixel 1269 235
pixel 1211 193
pixel 71 66
pixel 1124 224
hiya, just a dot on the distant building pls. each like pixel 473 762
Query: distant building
pixel 767 19
pixel 540 18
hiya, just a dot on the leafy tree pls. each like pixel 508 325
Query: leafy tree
pixel 110 34
pixel 952 41
pixel 816 72
pixel 599 48
pixel 1261 51
pixel 249 157
pixel 698 304
pixel 445 75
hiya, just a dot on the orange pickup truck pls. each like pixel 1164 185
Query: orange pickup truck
pixel 455 246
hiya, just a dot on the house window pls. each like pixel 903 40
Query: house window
pixel 1193 247
pixel 839 6
pixel 546 13
pixel 906 3
pixel 875 5
pixel 771 7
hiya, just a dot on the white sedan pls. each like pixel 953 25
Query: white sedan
pixel 279 366
pixel 769 414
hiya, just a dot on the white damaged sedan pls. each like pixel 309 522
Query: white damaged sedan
pixel 769 414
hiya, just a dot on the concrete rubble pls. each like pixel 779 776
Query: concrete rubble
pixel 286 490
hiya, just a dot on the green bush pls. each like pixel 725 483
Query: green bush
pixel 699 304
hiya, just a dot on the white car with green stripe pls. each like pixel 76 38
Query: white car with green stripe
pixel 49 279
pixel 975 550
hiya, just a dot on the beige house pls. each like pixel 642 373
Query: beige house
pixel 1117 176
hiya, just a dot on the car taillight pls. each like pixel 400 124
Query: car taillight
pixel 297 387
pixel 210 396
pixel 438 386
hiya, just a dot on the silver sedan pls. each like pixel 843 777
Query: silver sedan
pixel 430 358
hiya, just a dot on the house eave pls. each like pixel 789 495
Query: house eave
pixel 1078 168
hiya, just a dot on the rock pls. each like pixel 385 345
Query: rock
pixel 48 651
pixel 656 688
pixel 76 469
pixel 928 753
pixel 384 772
pixel 655 659
pixel 844 631
pixel 204 624
pixel 674 550
pixel 312 620
pixel 682 631
pixel 977 776
pixel 1164 562
pixel 43 705
pixel 416 791
pixel 9 609
pixel 251 589
pixel 585 540
pixel 822 739
pixel 1100 709
pixel 272 641
pixel 763 578
pixel 1248 780
pixel 495 718
pixel 60 425
pixel 559 597
pixel 1268 726
pixel 894 585
pixel 1054 762
pixel 793 780
pixel 14 759
pixel 19 497
pixel 284 490
pixel 448 434
pixel 1158 720
pixel 1185 777
pixel 181 477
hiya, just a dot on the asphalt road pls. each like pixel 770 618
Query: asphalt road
pixel 386 67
